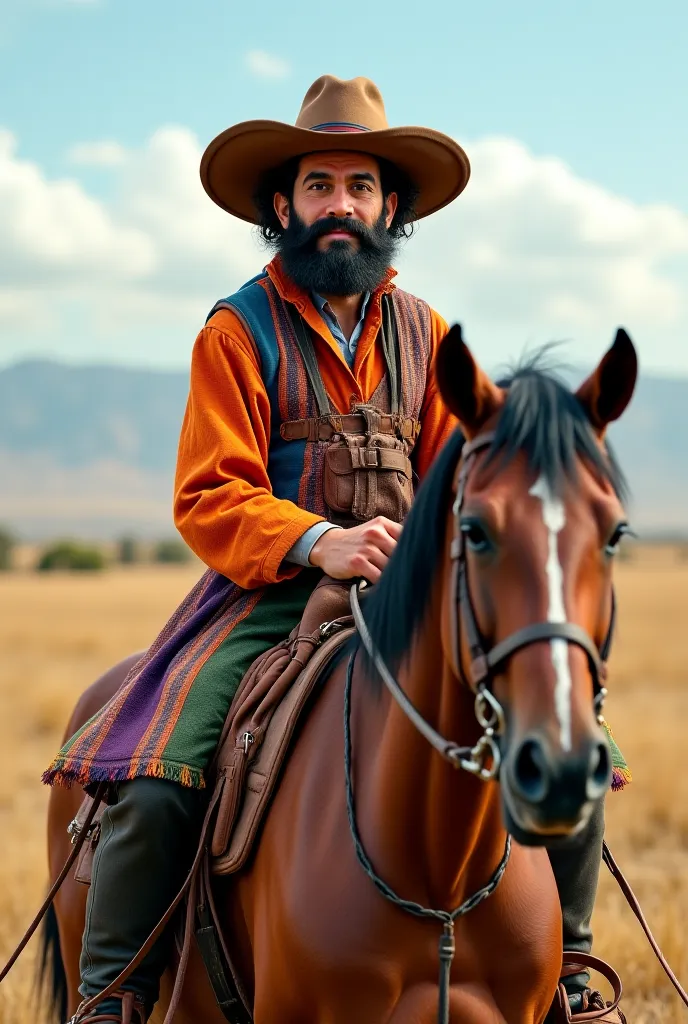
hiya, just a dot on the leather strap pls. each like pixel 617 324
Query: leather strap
pixel 379 458
pixel 632 901
pixel 390 347
pixel 445 747
pixel 536 632
pixel 484 660
pixel 213 953
pixel 304 344
pixel 314 429
pixel 76 850
pixel 573 960
pixel 131 1004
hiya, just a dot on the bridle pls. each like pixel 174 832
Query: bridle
pixel 483 759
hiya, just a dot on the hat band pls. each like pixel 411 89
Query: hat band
pixel 339 126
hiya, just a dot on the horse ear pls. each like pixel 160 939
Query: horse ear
pixel 466 389
pixel 608 390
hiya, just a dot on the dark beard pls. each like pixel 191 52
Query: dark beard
pixel 342 269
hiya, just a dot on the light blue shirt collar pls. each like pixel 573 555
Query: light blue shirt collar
pixel 348 346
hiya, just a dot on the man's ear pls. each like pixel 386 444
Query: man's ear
pixel 466 389
pixel 391 204
pixel 607 391
pixel 282 206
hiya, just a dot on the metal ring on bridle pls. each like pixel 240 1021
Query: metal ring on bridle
pixel 477 763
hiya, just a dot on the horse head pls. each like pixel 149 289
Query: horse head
pixel 536 523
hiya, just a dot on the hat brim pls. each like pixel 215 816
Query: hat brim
pixel 235 161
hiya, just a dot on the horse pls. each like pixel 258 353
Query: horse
pixel 494 617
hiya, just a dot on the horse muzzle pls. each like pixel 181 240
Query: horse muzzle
pixel 549 794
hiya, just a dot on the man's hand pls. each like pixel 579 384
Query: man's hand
pixel 360 551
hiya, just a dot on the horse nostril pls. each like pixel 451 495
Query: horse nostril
pixel 599 771
pixel 530 771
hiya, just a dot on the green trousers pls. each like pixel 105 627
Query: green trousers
pixel 149 835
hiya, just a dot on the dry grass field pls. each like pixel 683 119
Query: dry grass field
pixel 57 634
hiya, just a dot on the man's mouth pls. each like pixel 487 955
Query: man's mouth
pixel 338 236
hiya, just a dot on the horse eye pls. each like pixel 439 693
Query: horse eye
pixel 611 548
pixel 476 537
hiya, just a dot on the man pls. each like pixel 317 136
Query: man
pixel 320 341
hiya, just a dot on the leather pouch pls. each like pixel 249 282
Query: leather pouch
pixel 368 475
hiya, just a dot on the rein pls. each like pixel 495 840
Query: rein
pixel 447 917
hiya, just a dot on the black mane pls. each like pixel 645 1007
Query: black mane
pixel 542 418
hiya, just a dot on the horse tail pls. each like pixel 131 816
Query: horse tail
pixel 51 983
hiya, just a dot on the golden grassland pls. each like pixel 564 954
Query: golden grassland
pixel 58 633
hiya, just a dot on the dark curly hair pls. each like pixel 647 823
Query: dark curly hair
pixel 282 179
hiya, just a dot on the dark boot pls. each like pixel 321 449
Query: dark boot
pixel 576 871
pixel 147 843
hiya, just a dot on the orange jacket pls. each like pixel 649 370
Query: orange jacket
pixel 224 506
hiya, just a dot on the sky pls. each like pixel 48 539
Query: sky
pixel 575 219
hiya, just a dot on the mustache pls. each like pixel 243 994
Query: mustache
pixel 310 234
pixel 342 269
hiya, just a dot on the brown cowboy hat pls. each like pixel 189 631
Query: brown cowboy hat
pixel 335 114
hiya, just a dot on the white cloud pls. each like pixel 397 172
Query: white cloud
pixel 529 253
pixel 153 259
pixel 267 65
pixel 98 154
pixel 53 234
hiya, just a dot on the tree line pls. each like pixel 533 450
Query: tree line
pixel 80 556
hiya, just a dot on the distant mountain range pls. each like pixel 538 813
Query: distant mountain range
pixel 90 450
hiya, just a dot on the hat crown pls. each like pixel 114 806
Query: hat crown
pixel 356 102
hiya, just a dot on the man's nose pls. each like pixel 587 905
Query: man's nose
pixel 341 203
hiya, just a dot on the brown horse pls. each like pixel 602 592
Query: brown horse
pixel 503 588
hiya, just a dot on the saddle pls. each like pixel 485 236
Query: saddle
pixel 263 718
pixel 258 731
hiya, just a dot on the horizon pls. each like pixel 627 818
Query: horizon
pixel 565 367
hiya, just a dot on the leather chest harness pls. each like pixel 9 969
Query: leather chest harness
pixel 367 466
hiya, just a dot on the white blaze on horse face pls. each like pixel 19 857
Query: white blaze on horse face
pixel 555 520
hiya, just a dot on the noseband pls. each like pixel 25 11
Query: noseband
pixel 483 759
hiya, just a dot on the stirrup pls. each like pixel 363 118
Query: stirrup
pixel 594 1006
pixel 132 1004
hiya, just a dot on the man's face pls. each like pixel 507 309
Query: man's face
pixel 337 185
pixel 336 237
